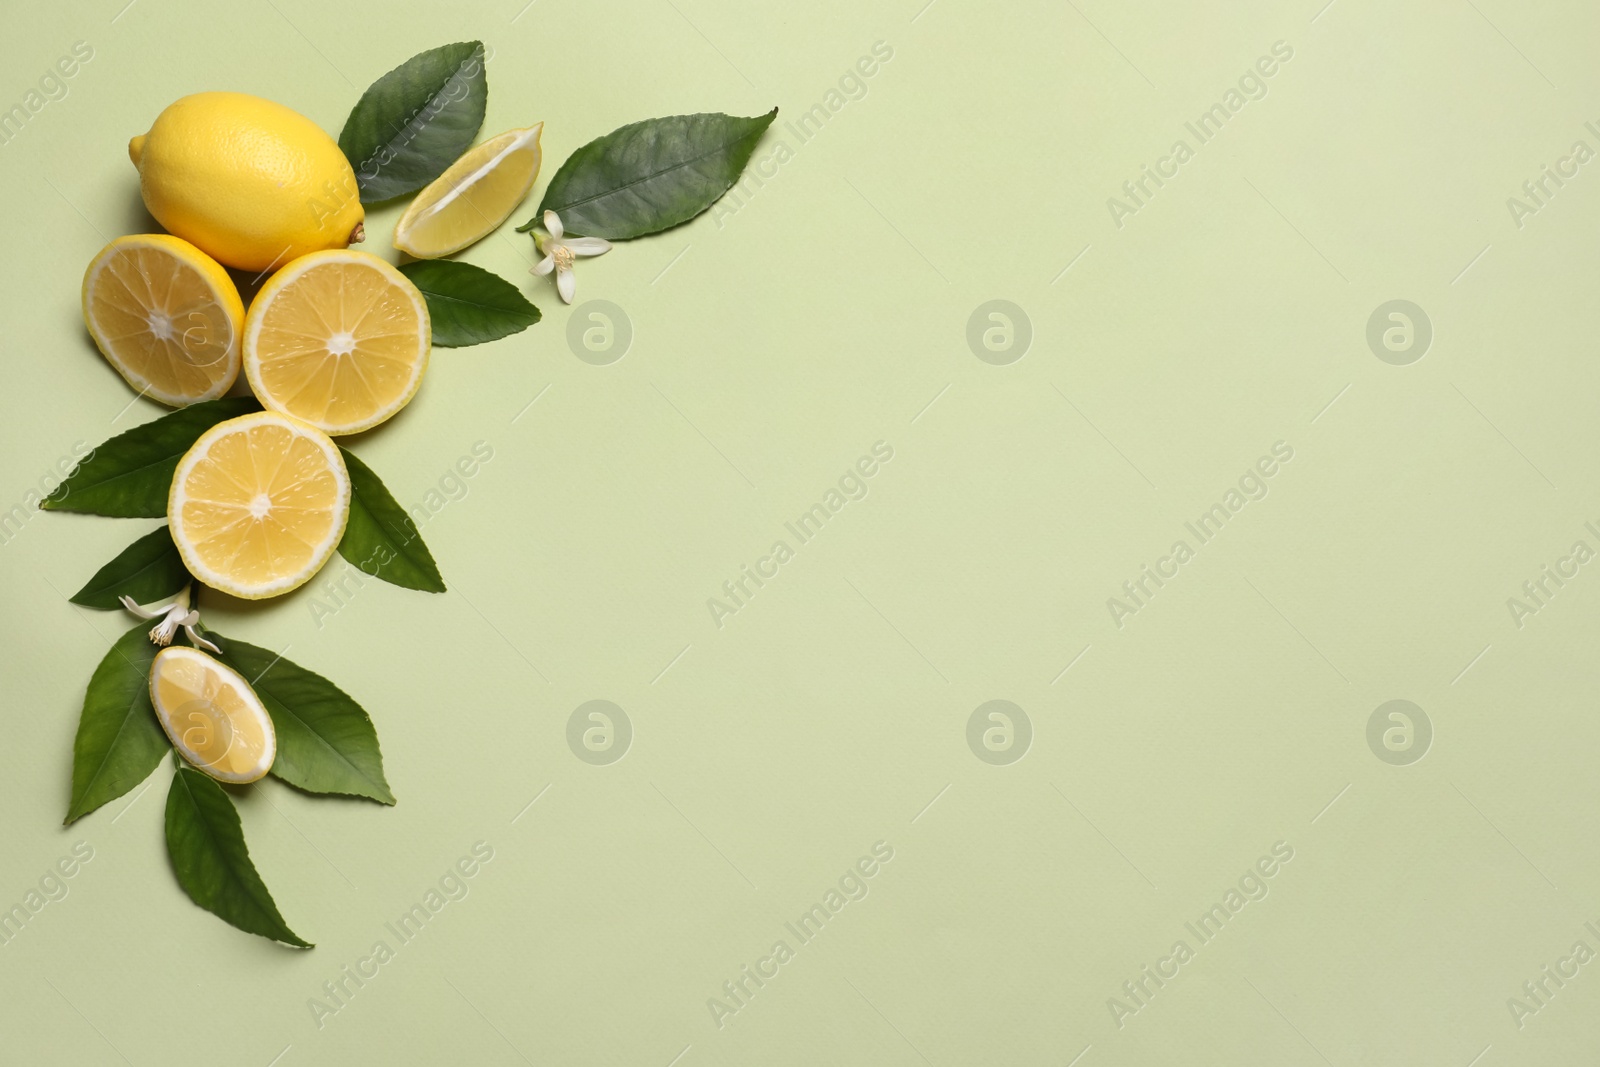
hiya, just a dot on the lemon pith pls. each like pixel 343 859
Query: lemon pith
pixel 166 316
pixel 249 181
pixel 477 193
pixel 339 339
pixel 258 504
pixel 212 716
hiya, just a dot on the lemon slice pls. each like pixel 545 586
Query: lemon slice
pixel 214 718
pixel 166 316
pixel 258 504
pixel 338 339
pixel 477 193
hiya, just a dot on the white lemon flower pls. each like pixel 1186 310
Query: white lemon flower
pixel 173 614
pixel 560 251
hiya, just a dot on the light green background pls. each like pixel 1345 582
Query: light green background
pixel 772 347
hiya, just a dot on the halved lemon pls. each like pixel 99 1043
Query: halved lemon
pixel 166 316
pixel 214 718
pixel 258 504
pixel 477 193
pixel 338 339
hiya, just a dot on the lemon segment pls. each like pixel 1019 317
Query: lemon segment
pixel 166 316
pixel 253 183
pixel 338 339
pixel 258 504
pixel 477 194
pixel 212 716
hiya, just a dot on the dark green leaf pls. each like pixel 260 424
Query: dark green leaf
pixel 119 740
pixel 650 175
pixel 148 570
pixel 416 120
pixel 206 844
pixel 468 305
pixel 130 475
pixel 380 537
pixel 326 742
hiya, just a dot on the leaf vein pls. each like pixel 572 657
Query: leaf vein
pixel 625 187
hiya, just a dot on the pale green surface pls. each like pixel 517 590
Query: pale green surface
pixel 826 716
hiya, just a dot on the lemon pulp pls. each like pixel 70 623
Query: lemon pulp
pixel 212 716
pixel 258 504
pixel 475 195
pixel 166 316
pixel 338 339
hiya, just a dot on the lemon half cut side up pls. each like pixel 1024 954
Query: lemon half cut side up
pixel 258 504
pixel 338 339
pixel 166 316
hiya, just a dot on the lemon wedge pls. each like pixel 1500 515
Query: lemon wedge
pixel 166 316
pixel 258 504
pixel 338 339
pixel 477 194
pixel 213 717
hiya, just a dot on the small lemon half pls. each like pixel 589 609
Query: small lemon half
pixel 258 504
pixel 166 316
pixel 477 194
pixel 338 339
pixel 213 717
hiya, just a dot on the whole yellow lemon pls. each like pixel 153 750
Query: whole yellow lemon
pixel 250 182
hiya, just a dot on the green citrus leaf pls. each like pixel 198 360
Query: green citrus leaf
pixel 129 476
pixel 468 305
pixel 119 741
pixel 416 120
pixel 148 570
pixel 326 741
pixel 209 856
pixel 380 537
pixel 651 175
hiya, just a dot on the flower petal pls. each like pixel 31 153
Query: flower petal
pixel 552 224
pixel 566 285
pixel 128 602
pixel 201 642
pixel 543 267
pixel 587 246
